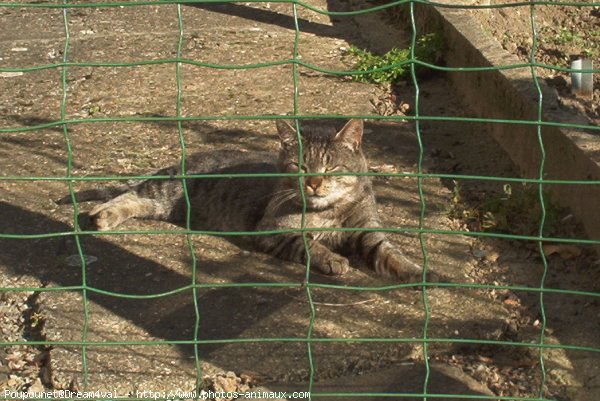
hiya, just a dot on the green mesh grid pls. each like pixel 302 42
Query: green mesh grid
pixel 425 340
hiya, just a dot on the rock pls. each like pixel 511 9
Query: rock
pixel 37 386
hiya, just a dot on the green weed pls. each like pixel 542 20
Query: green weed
pixel 517 210
pixel 565 36
pixel 395 64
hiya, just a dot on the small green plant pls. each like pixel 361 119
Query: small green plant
pixel 565 36
pixel 395 64
pixel 588 43
pixel 516 211
pixel 590 52
pixel 458 208
pixel 93 109
pixel 367 61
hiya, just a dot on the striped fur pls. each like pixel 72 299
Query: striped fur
pixel 249 204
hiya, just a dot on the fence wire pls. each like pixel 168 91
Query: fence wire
pixel 425 340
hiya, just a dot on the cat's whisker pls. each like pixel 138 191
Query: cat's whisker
pixel 280 200
pixel 282 192
pixel 279 197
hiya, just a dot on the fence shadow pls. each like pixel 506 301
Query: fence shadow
pixel 342 27
pixel 225 313
pixel 34 257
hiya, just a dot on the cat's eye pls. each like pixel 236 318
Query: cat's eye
pixel 294 166
pixel 332 169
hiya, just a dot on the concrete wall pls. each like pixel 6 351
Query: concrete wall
pixel 512 95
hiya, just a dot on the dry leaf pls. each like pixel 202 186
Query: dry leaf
pixel 492 256
pixel 565 251
pixel 485 359
pixel 383 168
pixel 511 302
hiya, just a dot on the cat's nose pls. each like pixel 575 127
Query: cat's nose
pixel 314 182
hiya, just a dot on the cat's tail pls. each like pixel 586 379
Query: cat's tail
pixel 98 194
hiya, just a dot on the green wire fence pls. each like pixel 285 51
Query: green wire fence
pixel 425 339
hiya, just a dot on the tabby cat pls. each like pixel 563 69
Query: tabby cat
pixel 272 203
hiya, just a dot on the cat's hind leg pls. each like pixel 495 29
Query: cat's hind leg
pixel 111 214
pixel 384 258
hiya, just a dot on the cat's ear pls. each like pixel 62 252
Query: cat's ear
pixel 351 134
pixel 287 134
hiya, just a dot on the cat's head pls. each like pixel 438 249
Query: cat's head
pixel 324 150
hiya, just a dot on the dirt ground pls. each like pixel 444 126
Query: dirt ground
pixel 143 264
pixel 564 34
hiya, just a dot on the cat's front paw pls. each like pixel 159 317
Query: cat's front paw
pixel 335 266
pixel 105 217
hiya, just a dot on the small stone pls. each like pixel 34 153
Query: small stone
pixel 37 386
pixel 75 260
pixel 478 253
